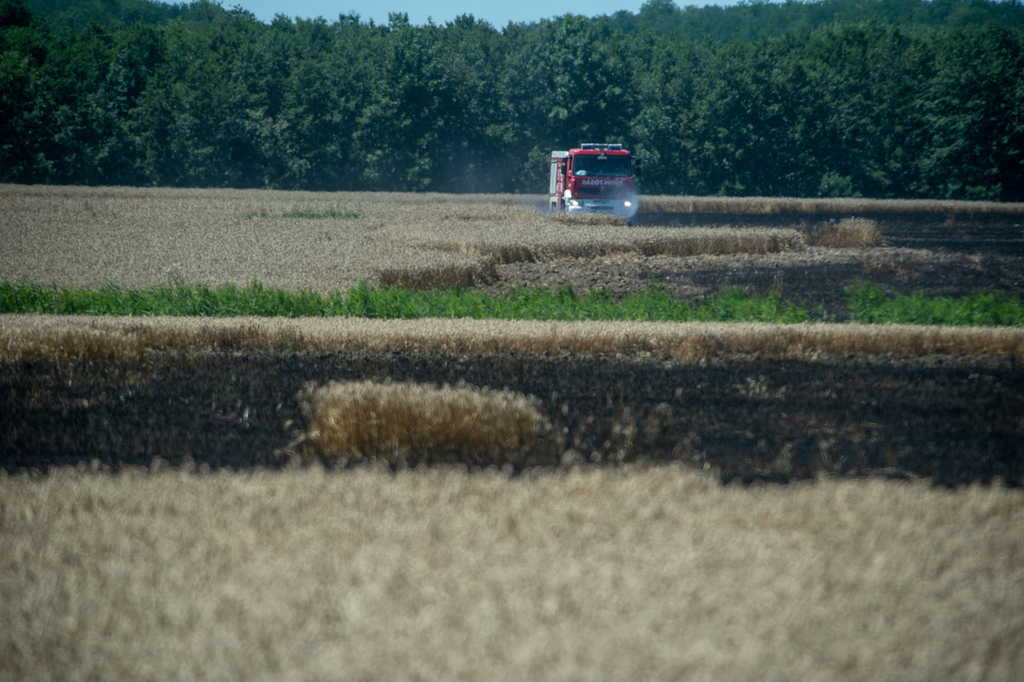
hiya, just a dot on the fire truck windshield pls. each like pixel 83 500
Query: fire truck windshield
pixel 608 167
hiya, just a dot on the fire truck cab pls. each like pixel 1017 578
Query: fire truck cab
pixel 594 178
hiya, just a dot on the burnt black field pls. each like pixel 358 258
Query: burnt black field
pixel 953 420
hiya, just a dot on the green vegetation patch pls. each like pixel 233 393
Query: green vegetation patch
pixel 388 302
pixel 563 304
pixel 869 304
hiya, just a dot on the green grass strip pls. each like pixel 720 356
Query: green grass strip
pixel 563 304
pixel 867 304
pixel 395 303
pixel 870 305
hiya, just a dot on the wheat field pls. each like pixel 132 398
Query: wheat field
pixel 92 237
pixel 439 572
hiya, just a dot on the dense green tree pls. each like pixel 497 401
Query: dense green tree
pixel 752 19
pixel 76 14
pixel 974 117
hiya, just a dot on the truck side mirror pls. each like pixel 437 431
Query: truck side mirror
pixel 637 169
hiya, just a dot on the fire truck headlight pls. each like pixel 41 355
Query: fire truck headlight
pixel 627 204
pixel 574 202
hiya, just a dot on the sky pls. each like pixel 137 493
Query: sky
pixel 497 14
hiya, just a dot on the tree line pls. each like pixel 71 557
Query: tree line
pixel 751 19
pixel 214 98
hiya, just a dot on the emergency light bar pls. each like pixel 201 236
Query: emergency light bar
pixel 601 147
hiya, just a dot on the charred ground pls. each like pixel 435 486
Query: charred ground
pixel 956 419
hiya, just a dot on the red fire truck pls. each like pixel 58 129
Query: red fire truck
pixel 595 178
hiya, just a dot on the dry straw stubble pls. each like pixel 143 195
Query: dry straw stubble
pixel 855 232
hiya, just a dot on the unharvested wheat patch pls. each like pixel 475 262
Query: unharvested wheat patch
pixel 597 574
pixel 411 423
pixel 423 269
pixel 293 240
pixel 425 277
pixel 28 337
pixel 529 244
